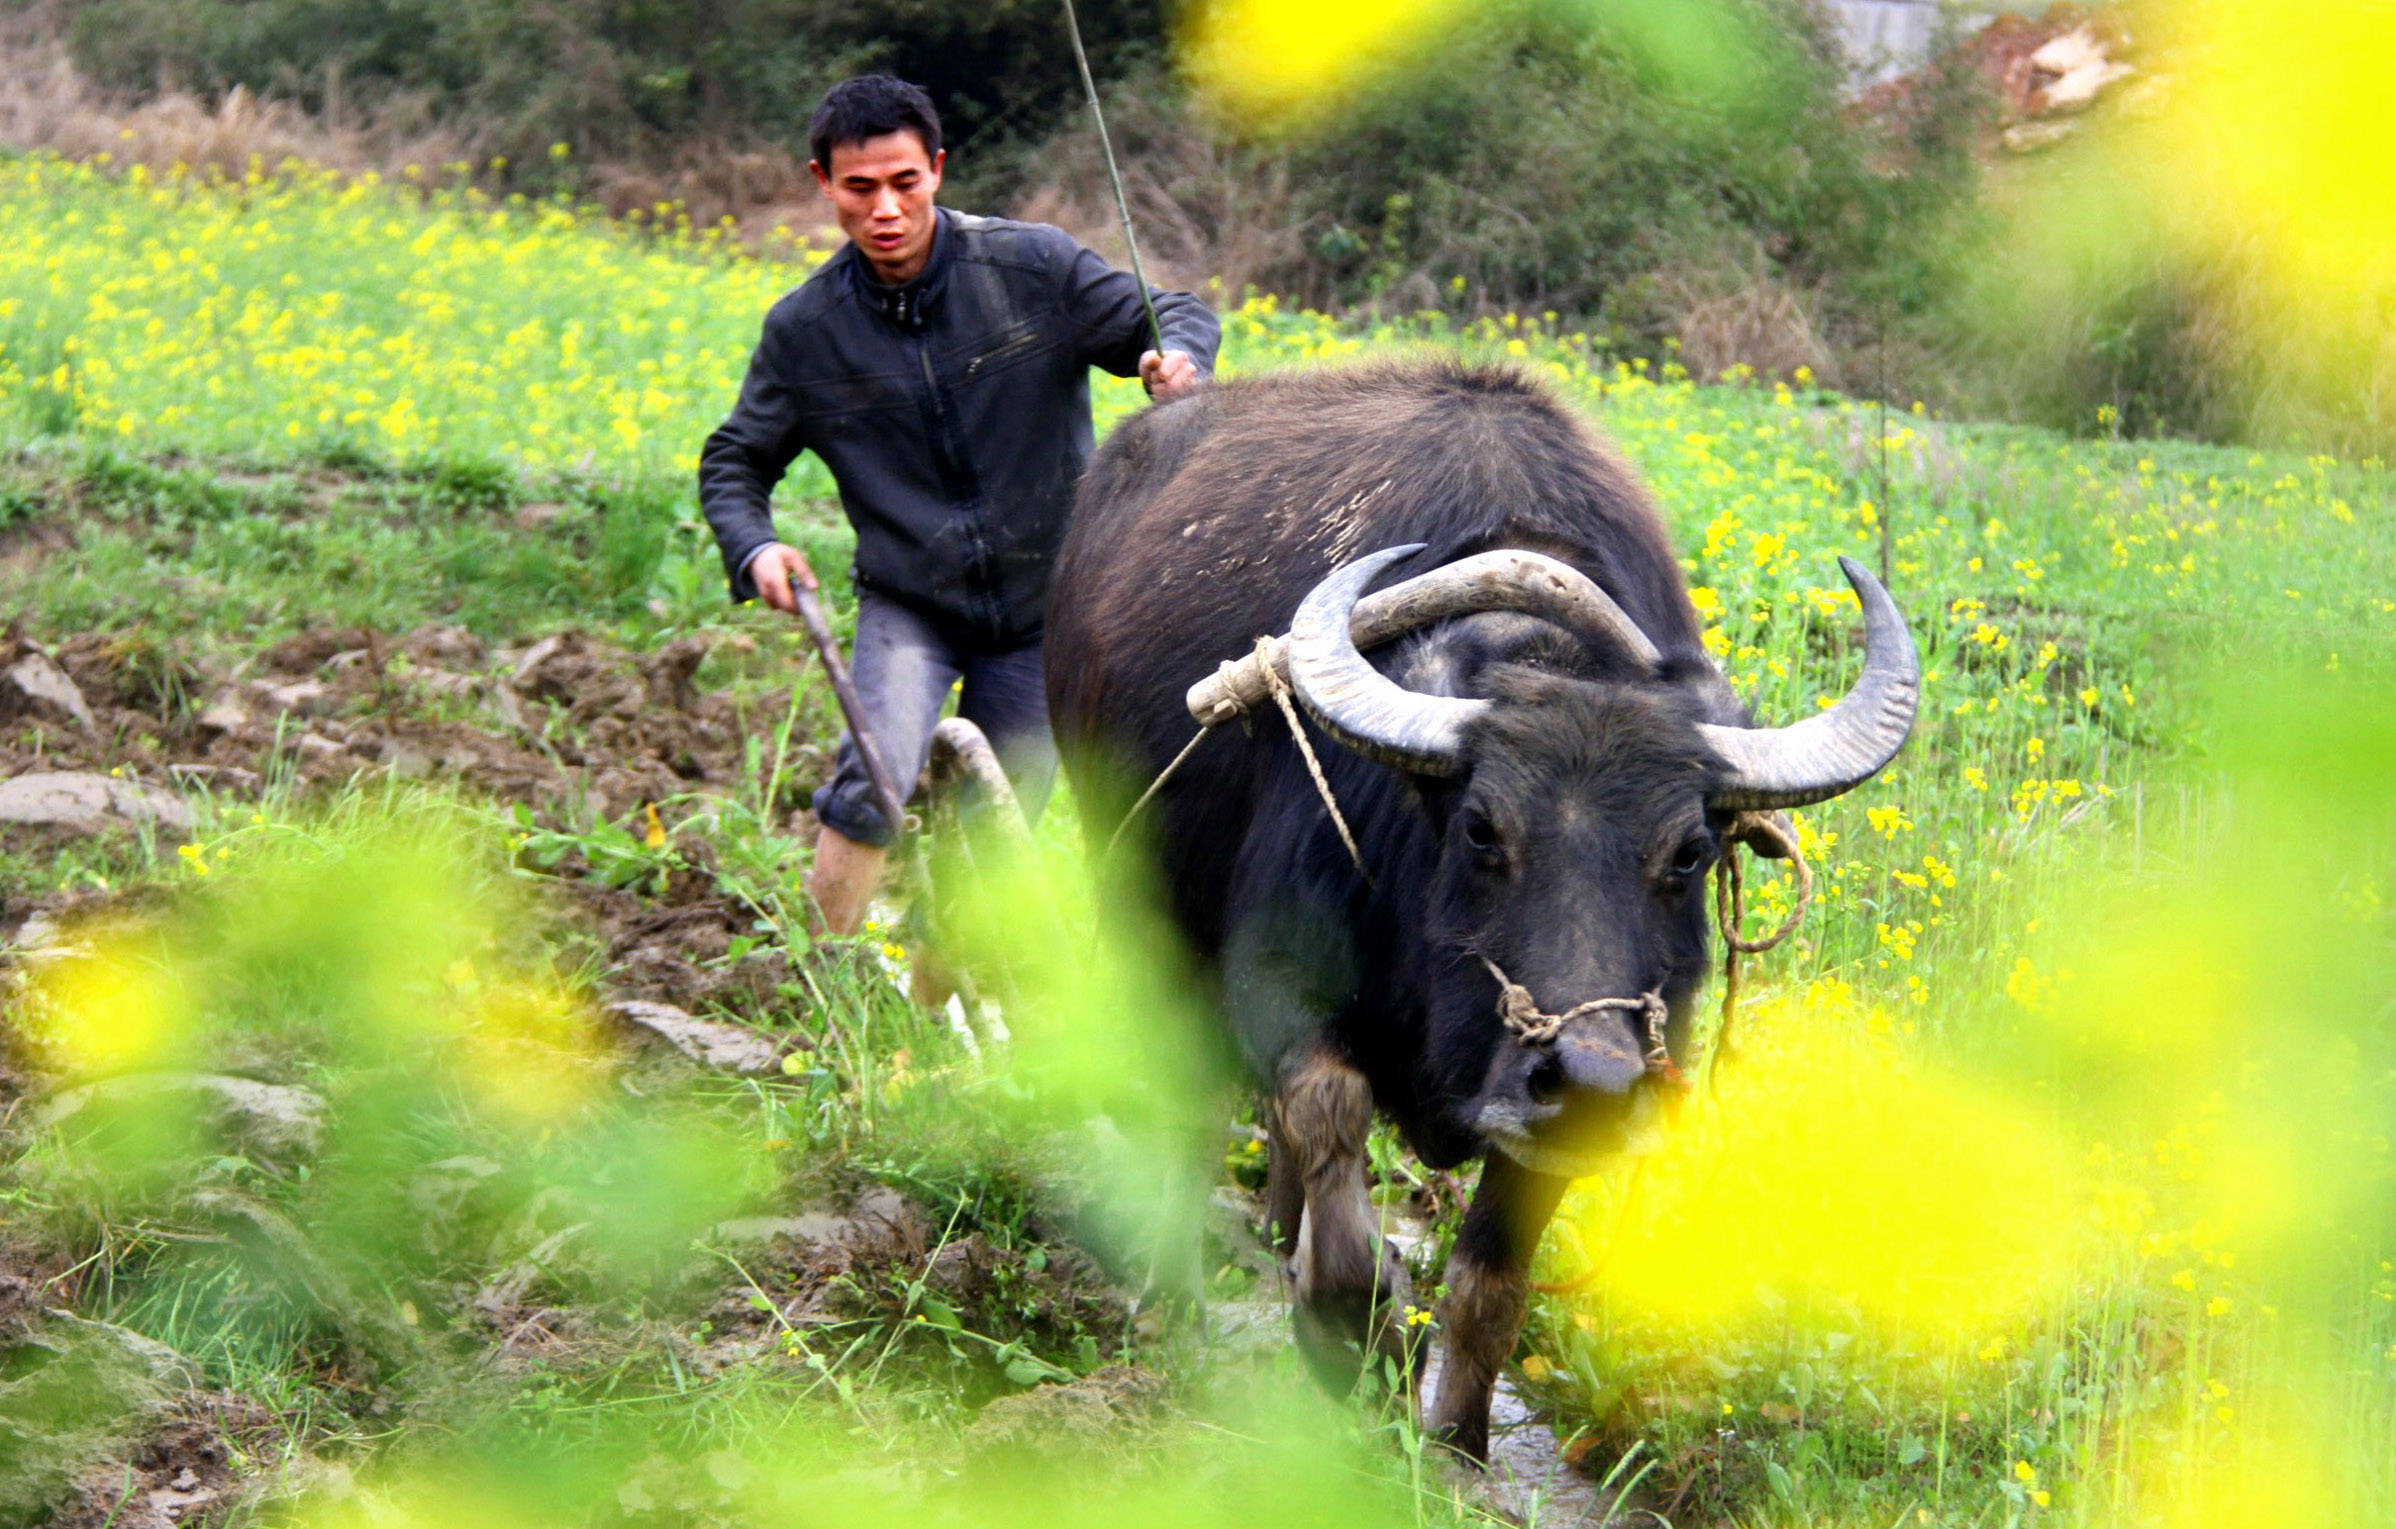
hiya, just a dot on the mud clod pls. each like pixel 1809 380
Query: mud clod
pixel 1104 1409
pixel 187 1469
pixel 568 717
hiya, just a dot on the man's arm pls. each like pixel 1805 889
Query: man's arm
pixel 739 466
pixel 1111 326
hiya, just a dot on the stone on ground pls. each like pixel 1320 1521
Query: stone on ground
pixel 35 687
pixel 82 802
pixel 72 1392
pixel 721 1047
pixel 274 1119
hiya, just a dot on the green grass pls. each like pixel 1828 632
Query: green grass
pixel 2087 764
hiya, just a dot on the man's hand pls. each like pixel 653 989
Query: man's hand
pixel 774 569
pixel 1171 375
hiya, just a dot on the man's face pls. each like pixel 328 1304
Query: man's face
pixel 881 191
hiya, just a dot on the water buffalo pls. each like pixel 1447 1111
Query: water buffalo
pixel 1538 775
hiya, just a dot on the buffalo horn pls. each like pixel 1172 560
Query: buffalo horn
pixel 1508 578
pixel 1838 750
pixel 1355 702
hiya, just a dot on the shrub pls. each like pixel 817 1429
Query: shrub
pixel 2106 310
pixel 606 79
pixel 1539 156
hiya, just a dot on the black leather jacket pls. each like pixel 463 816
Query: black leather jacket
pixel 954 413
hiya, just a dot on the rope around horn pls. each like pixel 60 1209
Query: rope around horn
pixel 1279 684
pixel 1515 1004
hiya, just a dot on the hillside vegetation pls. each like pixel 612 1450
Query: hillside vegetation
pixel 1644 174
pixel 2051 1184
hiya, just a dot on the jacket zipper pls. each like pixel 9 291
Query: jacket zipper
pixel 982 572
pixel 1013 347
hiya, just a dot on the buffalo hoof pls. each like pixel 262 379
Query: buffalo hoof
pixel 1467 1438
pixel 1343 1334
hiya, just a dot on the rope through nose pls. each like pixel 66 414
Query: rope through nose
pixel 1534 1026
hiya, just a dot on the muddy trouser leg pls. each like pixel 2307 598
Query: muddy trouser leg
pixel 1006 696
pixel 1489 1287
pixel 904 670
pixel 1350 1289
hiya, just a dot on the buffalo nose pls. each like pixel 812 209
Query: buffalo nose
pixel 1597 1064
pixel 1546 1079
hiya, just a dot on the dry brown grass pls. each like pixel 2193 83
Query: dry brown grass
pixel 1727 317
pixel 766 192
pixel 1202 209
pixel 47 104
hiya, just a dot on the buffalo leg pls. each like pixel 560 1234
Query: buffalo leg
pixel 1346 1281
pixel 1285 1186
pixel 1489 1286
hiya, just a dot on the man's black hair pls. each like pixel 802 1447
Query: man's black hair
pixel 868 107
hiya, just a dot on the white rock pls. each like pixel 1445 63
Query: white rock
pixel 38 932
pixel 405 759
pixel 441 682
pixel 726 1048
pixel 216 775
pixel 2067 51
pixel 813 1228
pixel 273 1116
pixel 2082 85
pixel 224 714
pixel 535 656
pixel 36 685
pixel 310 698
pixel 83 802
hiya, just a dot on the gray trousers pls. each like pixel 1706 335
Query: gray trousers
pixel 905 668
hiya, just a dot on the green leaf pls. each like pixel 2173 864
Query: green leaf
pixel 1784 1486
pixel 1027 1371
pixel 940 1314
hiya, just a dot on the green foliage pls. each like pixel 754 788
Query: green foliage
pixel 643 76
pixel 274 547
pixel 35 365
pixel 2098 318
pixel 2063 594
pixel 1554 155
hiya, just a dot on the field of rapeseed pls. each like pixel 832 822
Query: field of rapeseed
pixel 2053 1184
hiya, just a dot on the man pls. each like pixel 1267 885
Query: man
pixel 939 365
